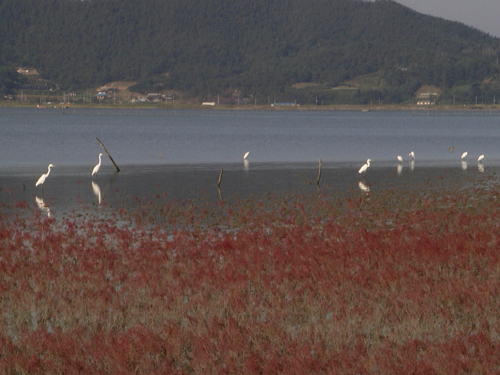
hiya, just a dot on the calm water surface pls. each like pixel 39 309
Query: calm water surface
pixel 66 137
pixel 179 153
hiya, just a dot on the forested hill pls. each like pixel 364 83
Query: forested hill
pixel 261 47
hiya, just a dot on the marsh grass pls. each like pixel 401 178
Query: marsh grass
pixel 386 283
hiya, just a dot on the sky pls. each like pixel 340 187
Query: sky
pixel 481 14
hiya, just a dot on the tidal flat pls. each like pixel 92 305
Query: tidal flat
pixel 400 276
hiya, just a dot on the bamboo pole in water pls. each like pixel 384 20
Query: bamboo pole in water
pixel 107 153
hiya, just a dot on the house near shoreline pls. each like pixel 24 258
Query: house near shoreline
pixel 101 95
pixel 427 95
pixel 26 71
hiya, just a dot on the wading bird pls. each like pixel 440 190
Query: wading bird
pixel 412 155
pixel 98 166
pixel 480 158
pixel 44 176
pixel 246 154
pixel 400 158
pixel 464 155
pixel 364 167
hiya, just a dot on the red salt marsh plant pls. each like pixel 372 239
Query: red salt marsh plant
pixel 289 284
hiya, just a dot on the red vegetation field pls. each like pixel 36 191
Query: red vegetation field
pixel 389 284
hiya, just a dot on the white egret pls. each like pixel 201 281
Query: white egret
pixel 246 154
pixel 400 158
pixel 480 158
pixel 464 155
pixel 44 176
pixel 412 155
pixel 364 167
pixel 98 166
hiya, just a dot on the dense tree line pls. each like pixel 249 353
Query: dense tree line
pixel 259 47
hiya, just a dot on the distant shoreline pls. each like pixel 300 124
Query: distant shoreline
pixel 267 107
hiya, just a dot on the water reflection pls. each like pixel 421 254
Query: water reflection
pixel 480 167
pixel 364 187
pixel 412 165
pixel 400 169
pixel 464 165
pixel 246 165
pixel 43 206
pixel 97 191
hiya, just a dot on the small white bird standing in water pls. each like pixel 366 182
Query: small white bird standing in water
pixel 400 158
pixel 480 158
pixel 364 167
pixel 44 176
pixel 246 154
pixel 98 166
pixel 464 155
pixel 412 155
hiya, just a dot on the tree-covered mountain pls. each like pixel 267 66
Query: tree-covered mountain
pixel 261 48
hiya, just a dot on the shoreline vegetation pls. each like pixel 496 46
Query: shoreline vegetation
pixel 299 283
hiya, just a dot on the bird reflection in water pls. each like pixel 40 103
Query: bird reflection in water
pixel 43 206
pixel 97 191
pixel 399 169
pixel 400 164
pixel 464 165
pixel 364 187
pixel 101 193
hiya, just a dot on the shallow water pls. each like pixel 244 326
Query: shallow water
pixel 177 155
pixel 72 190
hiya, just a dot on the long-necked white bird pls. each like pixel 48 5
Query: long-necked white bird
pixel 365 167
pixel 98 166
pixel 464 155
pixel 412 155
pixel 480 158
pixel 44 176
pixel 246 155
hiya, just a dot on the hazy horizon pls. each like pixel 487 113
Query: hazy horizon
pixel 481 14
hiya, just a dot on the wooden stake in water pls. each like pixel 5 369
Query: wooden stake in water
pixel 220 178
pixel 107 153
pixel 319 173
